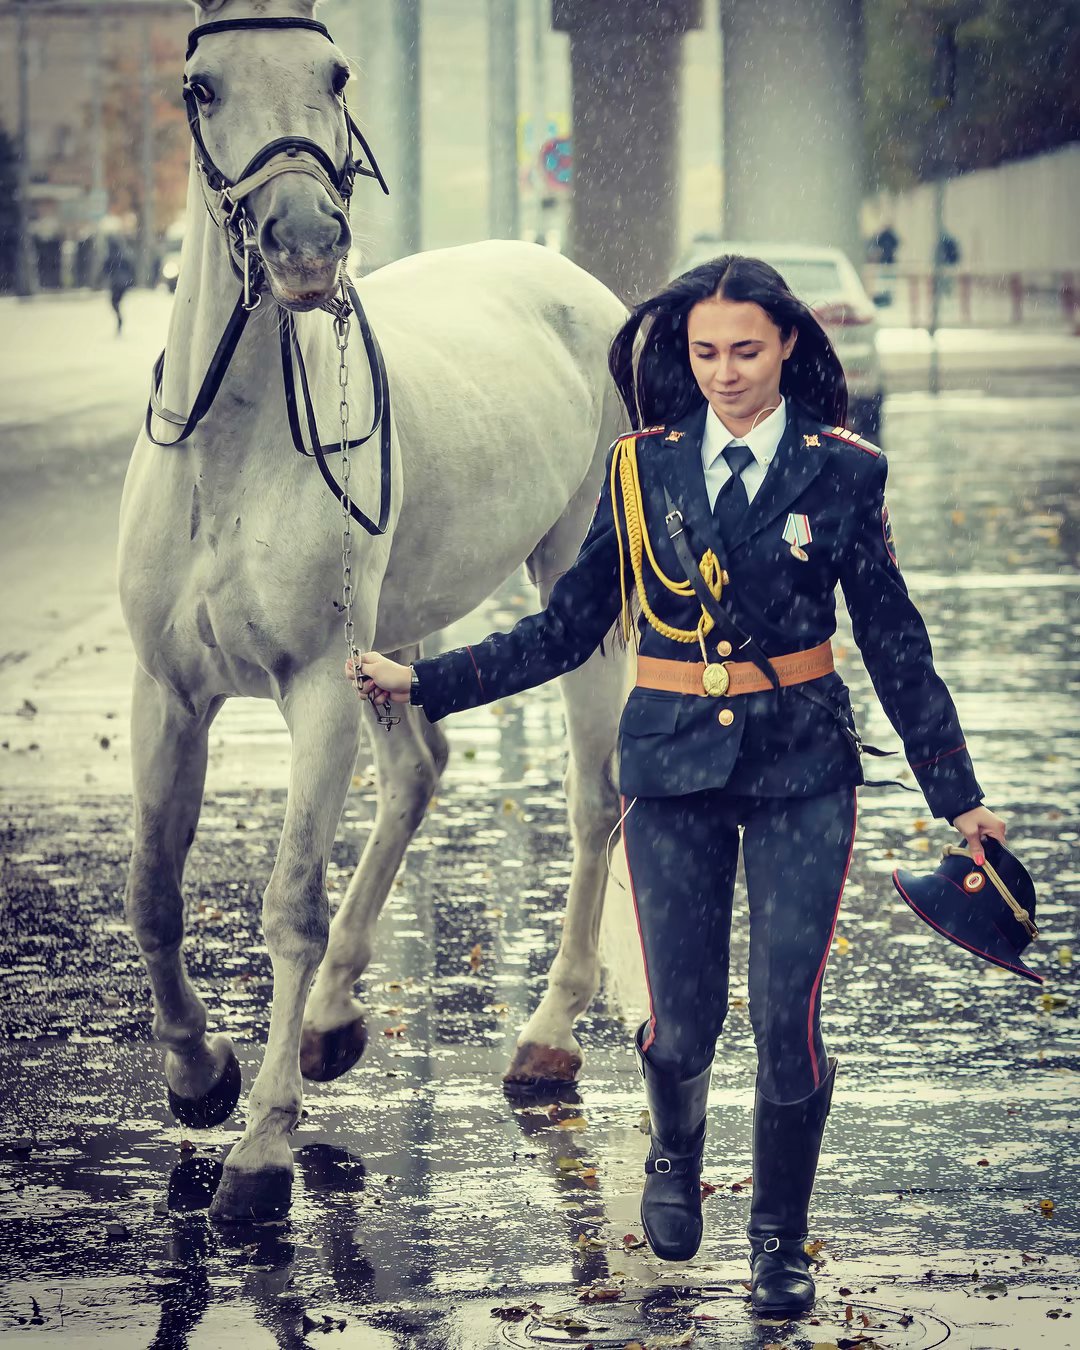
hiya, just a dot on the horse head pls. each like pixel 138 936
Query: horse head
pixel 264 87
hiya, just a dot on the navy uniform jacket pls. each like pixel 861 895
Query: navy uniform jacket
pixel 778 743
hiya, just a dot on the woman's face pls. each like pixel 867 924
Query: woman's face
pixel 736 352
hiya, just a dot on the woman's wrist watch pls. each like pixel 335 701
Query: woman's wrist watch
pixel 414 688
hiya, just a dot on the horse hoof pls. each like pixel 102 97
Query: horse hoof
pixel 200 1113
pixel 252 1197
pixel 325 1055
pixel 539 1066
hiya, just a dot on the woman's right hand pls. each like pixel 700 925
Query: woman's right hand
pixel 382 678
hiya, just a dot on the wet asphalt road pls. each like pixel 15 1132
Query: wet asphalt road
pixel 432 1211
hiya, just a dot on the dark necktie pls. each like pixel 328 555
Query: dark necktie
pixel 731 500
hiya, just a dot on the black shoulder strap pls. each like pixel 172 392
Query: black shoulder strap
pixel 725 625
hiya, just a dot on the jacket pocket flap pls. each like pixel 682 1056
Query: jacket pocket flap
pixel 650 715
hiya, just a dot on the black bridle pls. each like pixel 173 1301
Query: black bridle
pixel 225 202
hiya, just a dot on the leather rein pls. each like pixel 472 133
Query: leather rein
pixel 225 202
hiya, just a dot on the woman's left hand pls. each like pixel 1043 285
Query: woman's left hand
pixel 977 825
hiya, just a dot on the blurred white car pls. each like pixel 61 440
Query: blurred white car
pixel 828 282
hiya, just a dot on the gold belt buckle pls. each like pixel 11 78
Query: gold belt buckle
pixel 715 679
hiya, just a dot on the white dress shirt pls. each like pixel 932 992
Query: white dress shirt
pixel 762 442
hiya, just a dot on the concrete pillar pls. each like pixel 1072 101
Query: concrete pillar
pixel 26 270
pixel 502 119
pixel 626 65
pixel 147 242
pixel 383 43
pixel 793 158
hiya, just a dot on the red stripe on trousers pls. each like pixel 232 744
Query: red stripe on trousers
pixel 828 948
pixel 637 919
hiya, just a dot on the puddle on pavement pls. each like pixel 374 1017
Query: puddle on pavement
pixel 426 1201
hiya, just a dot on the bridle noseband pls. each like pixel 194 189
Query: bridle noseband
pixel 225 201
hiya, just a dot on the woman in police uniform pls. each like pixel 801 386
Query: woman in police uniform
pixel 718 542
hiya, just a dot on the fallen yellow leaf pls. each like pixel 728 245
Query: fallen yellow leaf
pixel 476 957
pixel 574 1123
pixel 600 1295
pixel 1047 1207
pixel 843 946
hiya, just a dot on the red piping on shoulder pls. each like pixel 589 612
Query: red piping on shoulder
pixel 852 438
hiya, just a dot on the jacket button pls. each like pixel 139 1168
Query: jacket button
pixel 724 648
pixel 726 717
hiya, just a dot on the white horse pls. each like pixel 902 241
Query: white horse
pixel 230 571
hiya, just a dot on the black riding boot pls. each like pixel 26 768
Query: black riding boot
pixel 671 1200
pixel 787 1141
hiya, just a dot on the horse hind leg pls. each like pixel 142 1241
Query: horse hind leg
pixel 324 722
pixel 547 1052
pixel 408 764
pixel 169 751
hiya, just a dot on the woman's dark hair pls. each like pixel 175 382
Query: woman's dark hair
pixel 659 386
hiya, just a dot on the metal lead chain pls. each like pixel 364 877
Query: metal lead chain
pixel 383 711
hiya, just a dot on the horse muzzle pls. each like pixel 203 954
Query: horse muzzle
pixel 302 289
pixel 302 244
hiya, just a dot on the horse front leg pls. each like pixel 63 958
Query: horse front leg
pixel 324 723
pixel 547 1051
pixel 408 763
pixel 168 753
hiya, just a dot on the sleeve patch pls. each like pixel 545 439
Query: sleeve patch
pixel 887 534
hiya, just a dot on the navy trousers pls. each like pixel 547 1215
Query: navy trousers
pixel 682 853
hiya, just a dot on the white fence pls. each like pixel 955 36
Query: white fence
pixel 1018 218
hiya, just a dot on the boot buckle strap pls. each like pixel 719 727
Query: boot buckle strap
pixel 771 1245
pixel 662 1165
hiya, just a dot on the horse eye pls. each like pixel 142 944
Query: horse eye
pixel 340 79
pixel 202 92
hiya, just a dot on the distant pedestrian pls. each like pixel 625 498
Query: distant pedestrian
pixel 882 247
pixel 118 271
pixel 947 253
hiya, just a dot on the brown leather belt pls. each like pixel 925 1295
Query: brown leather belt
pixel 742 677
